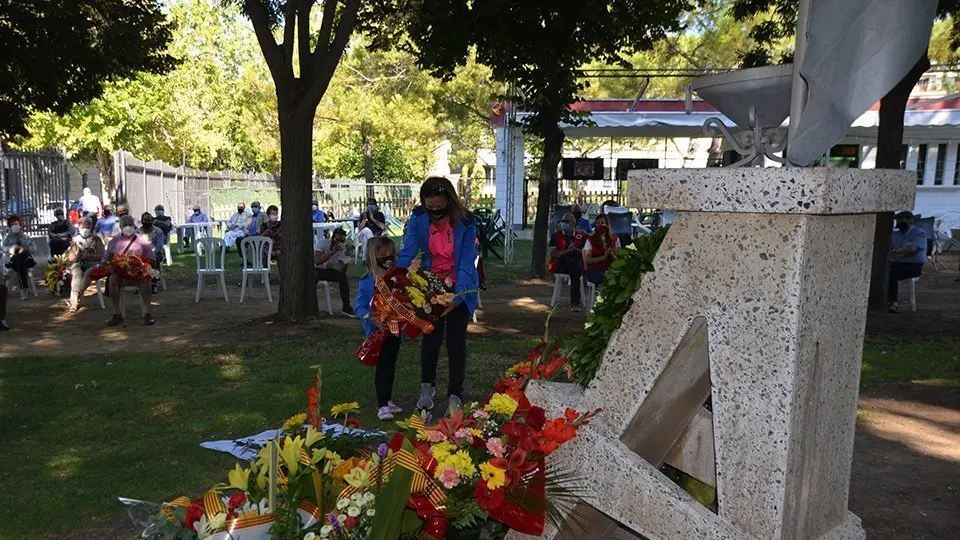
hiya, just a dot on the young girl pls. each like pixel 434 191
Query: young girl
pixel 600 249
pixel 381 253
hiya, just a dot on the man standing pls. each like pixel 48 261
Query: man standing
pixel 90 203
pixel 196 217
pixel 331 259
pixel 372 223
pixel 907 257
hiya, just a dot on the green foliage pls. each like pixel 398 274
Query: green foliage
pixel 60 54
pixel 390 162
pixel 622 280
pixel 391 503
pixel 465 513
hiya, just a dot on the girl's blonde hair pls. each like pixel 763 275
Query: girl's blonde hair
pixel 374 246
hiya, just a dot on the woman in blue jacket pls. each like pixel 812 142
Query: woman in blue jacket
pixel 444 233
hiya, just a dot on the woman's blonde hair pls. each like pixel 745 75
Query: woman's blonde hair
pixel 374 246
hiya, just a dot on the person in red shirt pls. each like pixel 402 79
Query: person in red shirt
pixel 600 250
pixel 565 256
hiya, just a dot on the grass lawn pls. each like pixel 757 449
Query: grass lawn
pixel 931 361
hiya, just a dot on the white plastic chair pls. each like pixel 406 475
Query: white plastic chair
pixel 129 289
pixel 326 294
pixel 11 278
pixel 589 293
pixel 252 249
pixel 558 281
pixel 209 264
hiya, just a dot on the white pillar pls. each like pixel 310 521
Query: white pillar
pixel 501 173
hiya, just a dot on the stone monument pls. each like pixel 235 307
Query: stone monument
pixel 759 299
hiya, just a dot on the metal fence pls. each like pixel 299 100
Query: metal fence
pixel 34 185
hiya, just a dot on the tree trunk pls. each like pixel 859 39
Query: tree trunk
pixel 108 182
pixel 367 160
pixel 552 152
pixel 889 143
pixel 297 282
pixel 466 178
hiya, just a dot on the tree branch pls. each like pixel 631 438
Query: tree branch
pixel 303 39
pixel 326 27
pixel 268 45
pixel 326 61
pixel 289 26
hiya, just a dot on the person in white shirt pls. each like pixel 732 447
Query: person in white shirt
pixel 330 259
pixel 90 203
pixel 236 225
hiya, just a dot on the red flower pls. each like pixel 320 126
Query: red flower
pixel 488 499
pixel 351 522
pixel 194 513
pixel 515 466
pixel 516 432
pixel 450 426
pixel 237 501
pixel 352 422
pixel 536 418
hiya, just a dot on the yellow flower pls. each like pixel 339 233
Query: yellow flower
pixel 358 478
pixel 218 521
pixel 495 477
pixel 460 461
pixel 414 267
pixel 313 436
pixel 337 410
pixel 441 451
pixel 290 453
pixel 418 279
pixel 475 432
pixel 333 461
pixel 294 423
pixel 416 297
pixel 501 404
pixel 239 478
pixel 422 435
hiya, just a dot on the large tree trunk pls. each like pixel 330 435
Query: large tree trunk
pixel 367 159
pixel 297 281
pixel 108 182
pixel 889 143
pixel 552 152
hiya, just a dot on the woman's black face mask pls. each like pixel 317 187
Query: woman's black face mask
pixel 438 213
pixel 386 262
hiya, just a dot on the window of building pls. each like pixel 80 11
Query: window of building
pixel 921 163
pixel 846 156
pixel 490 176
pixel 903 156
pixel 941 162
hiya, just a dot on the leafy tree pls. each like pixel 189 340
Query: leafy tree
pixel 892 107
pixel 539 46
pixel 62 53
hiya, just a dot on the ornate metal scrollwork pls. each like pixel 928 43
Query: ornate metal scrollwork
pixel 753 142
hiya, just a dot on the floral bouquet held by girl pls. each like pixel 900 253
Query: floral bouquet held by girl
pixel 405 300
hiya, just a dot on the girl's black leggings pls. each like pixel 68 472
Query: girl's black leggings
pixel 386 369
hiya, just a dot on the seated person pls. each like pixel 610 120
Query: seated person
pixel 105 225
pixel 907 257
pixel 236 224
pixel 122 210
pixel 271 229
pixel 583 224
pixel 254 224
pixel 162 221
pixel 565 256
pixel 331 260
pixel 317 215
pixel 130 243
pixel 86 251
pixel 600 250
pixel 157 239
pixel 59 233
pixel 372 223
pixel 196 217
pixel 18 250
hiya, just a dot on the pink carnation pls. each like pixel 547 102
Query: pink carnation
pixel 496 447
pixel 449 477
pixel 462 433
pixel 481 414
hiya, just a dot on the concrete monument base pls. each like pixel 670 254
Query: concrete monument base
pixel 758 299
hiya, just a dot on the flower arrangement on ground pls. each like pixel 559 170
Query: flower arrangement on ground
pixel 57 276
pixel 407 301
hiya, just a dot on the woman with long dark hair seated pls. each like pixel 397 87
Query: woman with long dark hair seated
pixel 444 233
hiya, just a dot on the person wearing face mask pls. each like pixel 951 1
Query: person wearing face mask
pixel 59 234
pixel 130 243
pixel 85 252
pixel 271 229
pixel 317 215
pixel 565 256
pixel 157 239
pixel 255 223
pixel 330 260
pixel 162 221
pixel 196 217
pixel 445 234
pixel 600 250
pixel 107 224
pixel 907 257
pixel 381 255
pixel 122 210
pixel 18 250
pixel 236 224
pixel 583 224
pixel 372 223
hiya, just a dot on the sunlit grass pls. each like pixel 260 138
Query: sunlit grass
pixel 931 361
